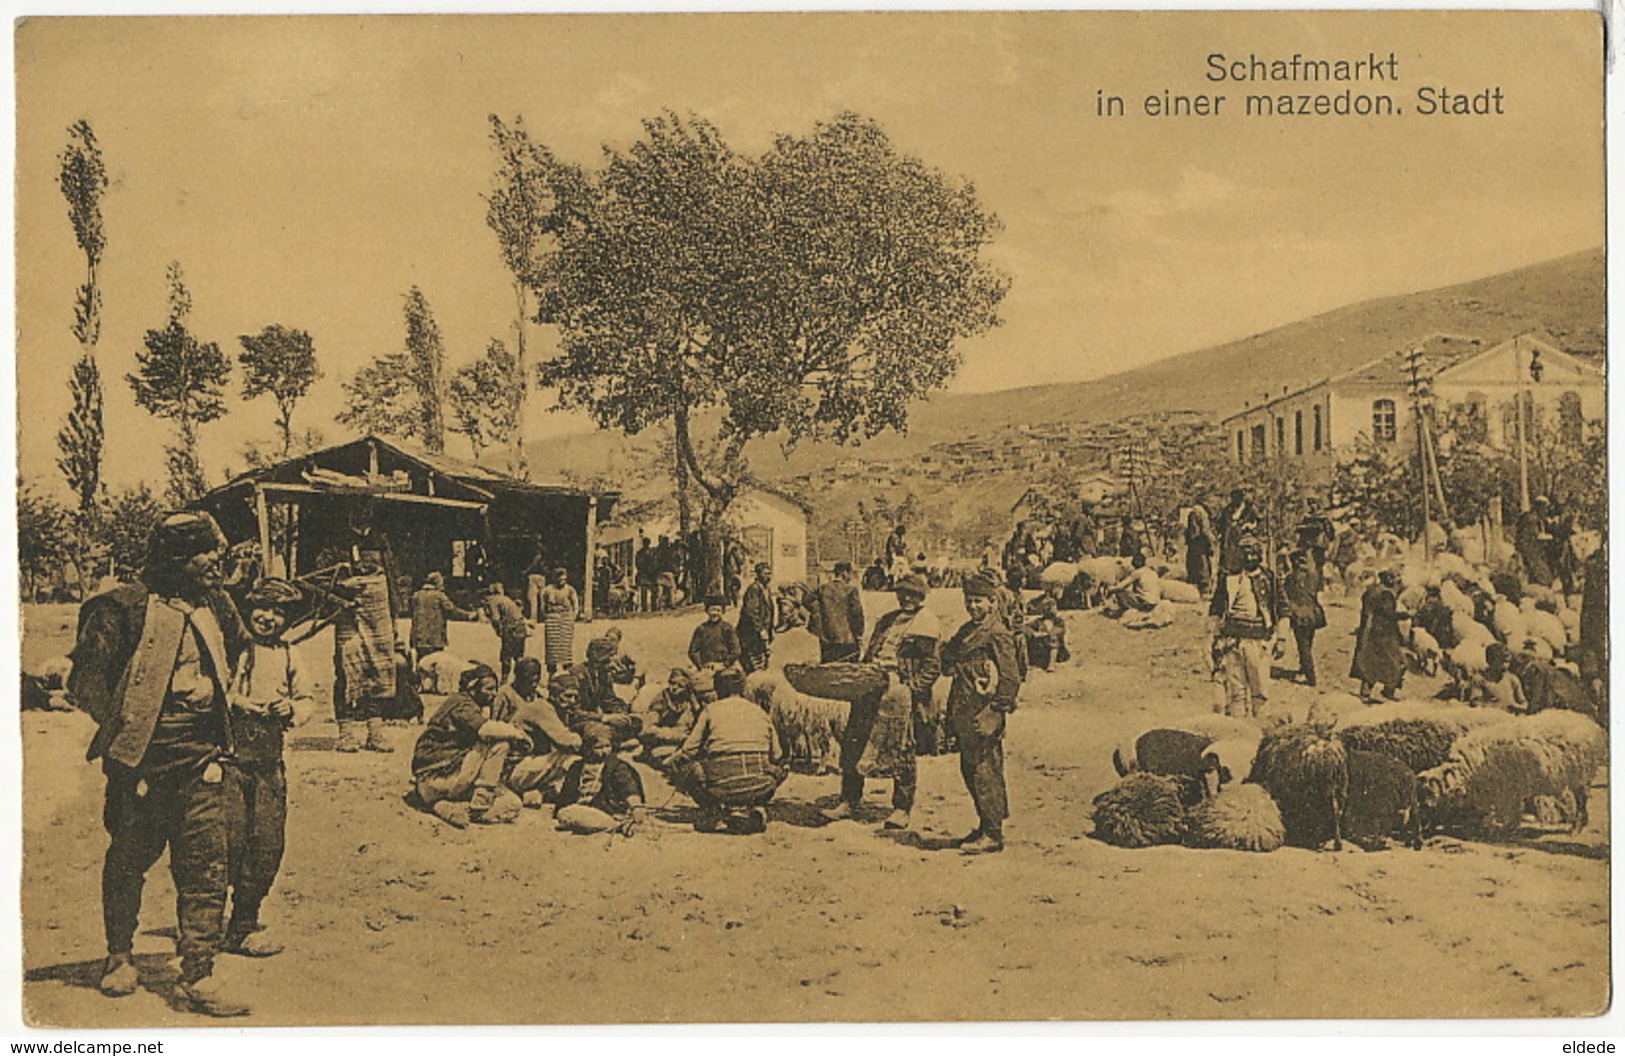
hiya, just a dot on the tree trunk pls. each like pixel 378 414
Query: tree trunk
pixel 521 467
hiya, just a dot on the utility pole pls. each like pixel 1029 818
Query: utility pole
pixel 1420 385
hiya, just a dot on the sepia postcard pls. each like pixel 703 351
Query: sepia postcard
pixel 882 517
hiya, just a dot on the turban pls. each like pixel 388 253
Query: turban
pixel 274 592
pixel 184 535
pixel 473 675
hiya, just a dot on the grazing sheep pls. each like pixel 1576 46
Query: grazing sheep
pixel 1306 772
pixel 1496 769
pixel 1057 574
pixel 1544 624
pixel 1508 623
pixel 1381 801
pixel 809 727
pixel 1141 810
pixel 1239 818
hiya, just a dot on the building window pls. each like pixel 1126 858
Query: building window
pixel 1570 418
pixel 1280 437
pixel 1241 445
pixel 1315 415
pixel 1297 433
pixel 1384 425
pixel 1260 440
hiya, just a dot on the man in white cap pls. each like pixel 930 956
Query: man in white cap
pixel 151 666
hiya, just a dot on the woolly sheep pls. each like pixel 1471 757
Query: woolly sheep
pixel 1411 598
pixel 1306 773
pixel 1142 810
pixel 1496 769
pixel 1508 622
pixel 1547 685
pixel 1105 570
pixel 438 671
pixel 1169 753
pixel 809 727
pixel 1159 617
pixel 1457 718
pixel 1381 801
pixel 1545 625
pixel 1425 649
pixel 1058 573
pixel 1180 593
pixel 1240 818
pixel 1419 743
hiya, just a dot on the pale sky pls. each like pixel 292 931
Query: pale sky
pixel 309 171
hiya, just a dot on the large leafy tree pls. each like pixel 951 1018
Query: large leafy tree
pixel 181 379
pixel 46 539
pixel 400 394
pixel 281 363
pixel 814 292
pixel 485 397
pixel 83 179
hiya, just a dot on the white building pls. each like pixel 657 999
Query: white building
pixel 772 525
pixel 1320 423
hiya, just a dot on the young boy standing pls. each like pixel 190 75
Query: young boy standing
pixel 266 691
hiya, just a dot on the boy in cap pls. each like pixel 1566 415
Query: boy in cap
pixel 981 659
pixel 151 666
pixel 269 687
pixel 714 644
pixel 458 763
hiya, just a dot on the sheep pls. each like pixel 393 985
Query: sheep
pixel 1141 810
pixel 1547 685
pixel 1508 623
pixel 1180 592
pixel 1240 817
pixel 1168 753
pixel 1425 651
pixel 1306 773
pixel 1057 574
pixel 809 727
pixel 1159 617
pixel 438 671
pixel 1496 769
pixel 1381 801
pixel 1419 743
pixel 1545 625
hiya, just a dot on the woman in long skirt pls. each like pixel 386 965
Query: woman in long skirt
pixel 560 607
pixel 1377 652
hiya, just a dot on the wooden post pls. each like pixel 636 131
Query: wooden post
pixel 592 548
pixel 263 513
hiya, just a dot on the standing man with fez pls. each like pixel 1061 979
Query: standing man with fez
pixel 151 666
pixel 981 659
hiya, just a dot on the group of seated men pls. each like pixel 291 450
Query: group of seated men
pixel 493 749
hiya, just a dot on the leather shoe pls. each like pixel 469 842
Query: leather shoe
pixel 120 978
pixel 898 820
pixel 970 837
pixel 983 844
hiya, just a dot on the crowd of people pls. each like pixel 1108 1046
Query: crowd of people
pixel 192 703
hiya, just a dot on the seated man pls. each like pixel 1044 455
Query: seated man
pixel 1046 633
pixel 1140 590
pixel 731 763
pixel 598 701
pixel 458 762
pixel 601 793
pixel 537 765
pixel 671 716
pixel 623 670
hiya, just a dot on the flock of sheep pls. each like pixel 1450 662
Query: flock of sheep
pixel 1369 774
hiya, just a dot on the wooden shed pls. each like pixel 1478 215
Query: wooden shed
pixel 437 513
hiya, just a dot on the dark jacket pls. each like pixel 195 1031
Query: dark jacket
pixel 756 614
pixel 835 613
pixel 981 660
pixel 1271 606
pixel 919 659
pixel 713 643
pixel 111 626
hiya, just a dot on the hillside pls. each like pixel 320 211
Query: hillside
pixel 1565 297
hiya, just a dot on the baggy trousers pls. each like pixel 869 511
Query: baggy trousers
pixel 981 764
pixel 186 813
pixel 256 806
pixel 860 726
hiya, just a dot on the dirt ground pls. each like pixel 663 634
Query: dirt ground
pixel 390 916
